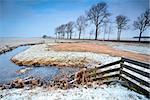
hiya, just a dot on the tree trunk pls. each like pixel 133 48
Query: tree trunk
pixel 67 35
pixel 119 34
pixel 104 36
pixel 109 31
pixel 63 35
pixel 79 34
pixel 108 35
pixel 96 32
pixel 56 36
pixel 140 36
pixel 105 31
pixel 70 35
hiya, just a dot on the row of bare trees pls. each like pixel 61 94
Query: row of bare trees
pixel 99 16
pixel 142 23
pixel 65 29
pixel 81 24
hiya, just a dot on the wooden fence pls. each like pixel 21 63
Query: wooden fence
pixel 134 74
pixel 105 73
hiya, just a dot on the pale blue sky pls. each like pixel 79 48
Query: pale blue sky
pixel 34 18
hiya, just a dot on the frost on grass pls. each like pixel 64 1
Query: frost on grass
pixel 41 55
pixel 7 44
pixel 104 92
pixel 137 48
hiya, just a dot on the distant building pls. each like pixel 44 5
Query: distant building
pixel 45 36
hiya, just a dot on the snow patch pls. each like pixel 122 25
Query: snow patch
pixel 104 92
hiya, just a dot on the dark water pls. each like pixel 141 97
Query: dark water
pixel 8 69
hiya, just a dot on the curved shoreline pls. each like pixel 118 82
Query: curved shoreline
pixel 56 84
pixel 42 55
pixel 7 49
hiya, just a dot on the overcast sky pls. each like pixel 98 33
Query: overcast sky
pixel 34 18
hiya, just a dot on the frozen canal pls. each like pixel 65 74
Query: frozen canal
pixel 8 68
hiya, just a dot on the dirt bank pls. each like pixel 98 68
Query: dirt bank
pixel 44 55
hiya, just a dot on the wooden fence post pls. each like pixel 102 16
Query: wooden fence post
pixel 121 68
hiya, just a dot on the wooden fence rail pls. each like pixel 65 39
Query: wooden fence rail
pixel 135 74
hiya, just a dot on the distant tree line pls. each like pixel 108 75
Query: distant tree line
pixel 99 16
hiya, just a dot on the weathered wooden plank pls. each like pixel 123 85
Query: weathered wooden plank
pixel 136 70
pixel 109 80
pixel 105 77
pixel 137 67
pixel 110 64
pixel 109 68
pixel 104 72
pixel 131 85
pixel 104 66
pixel 145 65
pixel 109 71
pixel 135 78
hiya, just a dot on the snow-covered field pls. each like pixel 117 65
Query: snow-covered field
pixel 42 54
pixel 142 48
pixel 134 48
pixel 7 43
pixel 104 92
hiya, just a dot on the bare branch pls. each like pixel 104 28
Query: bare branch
pixel 81 24
pixel 96 15
pixel 142 22
pixel 121 22
pixel 69 28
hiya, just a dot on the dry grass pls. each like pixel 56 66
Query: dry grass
pixel 86 47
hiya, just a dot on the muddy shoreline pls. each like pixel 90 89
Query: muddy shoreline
pixel 32 82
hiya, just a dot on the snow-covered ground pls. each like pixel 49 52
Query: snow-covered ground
pixel 7 43
pixel 41 54
pixel 104 92
pixel 134 48
pixel 142 48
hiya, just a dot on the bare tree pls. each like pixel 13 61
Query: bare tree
pixel 122 22
pixel 69 28
pixel 91 33
pixel 67 32
pixel 109 31
pixel 81 24
pixel 62 29
pixel 105 23
pixel 96 15
pixel 142 22
pixel 57 32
